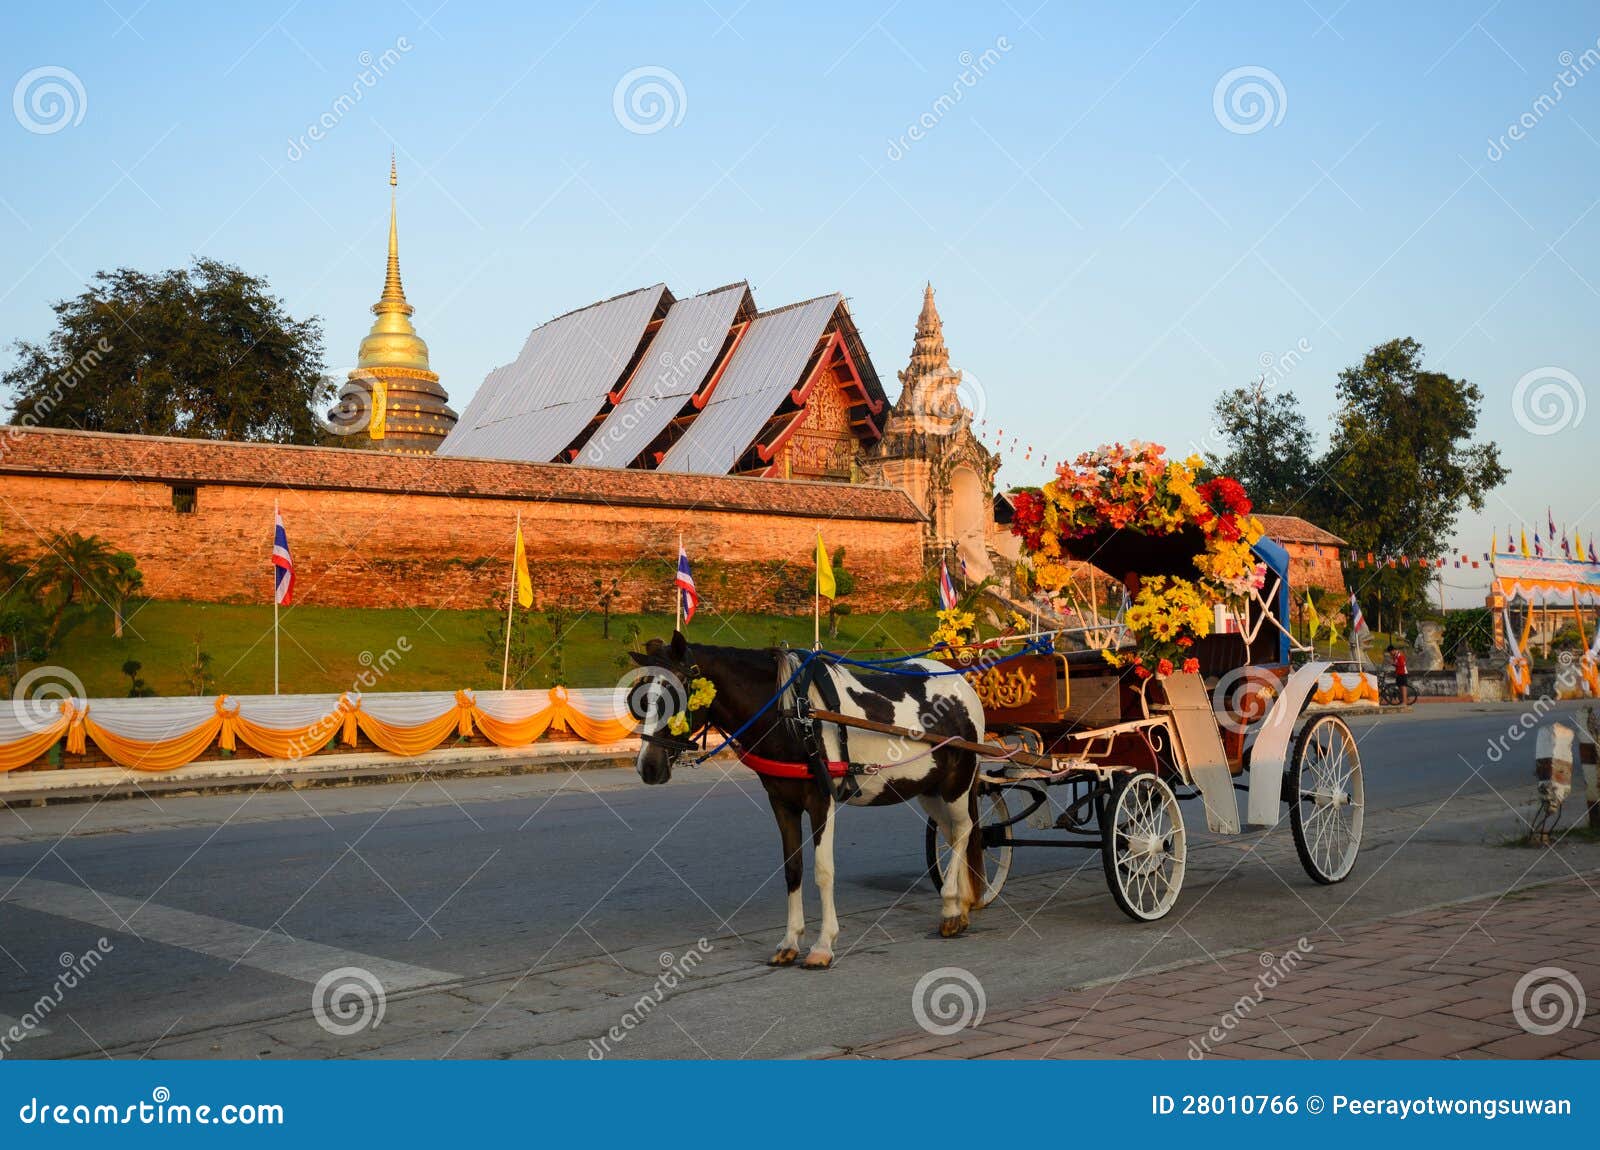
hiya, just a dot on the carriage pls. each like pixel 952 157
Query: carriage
pixel 1190 694
pixel 1106 759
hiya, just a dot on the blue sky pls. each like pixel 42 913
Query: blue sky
pixel 1110 249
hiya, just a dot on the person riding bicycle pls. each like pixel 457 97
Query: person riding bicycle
pixel 1397 659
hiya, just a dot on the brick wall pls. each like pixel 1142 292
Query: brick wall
pixel 374 530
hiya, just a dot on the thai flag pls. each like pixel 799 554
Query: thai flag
pixel 1538 547
pixel 1550 522
pixel 1357 622
pixel 687 595
pixel 947 590
pixel 282 564
pixel 1566 545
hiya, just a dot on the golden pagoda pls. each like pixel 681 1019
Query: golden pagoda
pixel 410 412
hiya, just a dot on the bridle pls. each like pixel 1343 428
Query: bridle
pixel 679 746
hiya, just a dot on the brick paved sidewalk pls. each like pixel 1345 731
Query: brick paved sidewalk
pixel 1433 984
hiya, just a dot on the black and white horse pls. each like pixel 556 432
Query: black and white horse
pixel 944 779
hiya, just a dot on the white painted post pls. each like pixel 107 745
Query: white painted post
pixel 1552 766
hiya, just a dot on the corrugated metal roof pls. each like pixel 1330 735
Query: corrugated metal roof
pixel 764 367
pixel 532 408
pixel 674 367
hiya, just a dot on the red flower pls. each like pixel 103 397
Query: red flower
pixel 1185 642
pixel 1141 672
pixel 1191 666
pixel 1165 667
pixel 1226 494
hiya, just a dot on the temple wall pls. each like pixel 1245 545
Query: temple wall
pixel 375 530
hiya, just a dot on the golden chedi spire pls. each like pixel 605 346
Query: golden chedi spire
pixel 393 341
pixel 393 363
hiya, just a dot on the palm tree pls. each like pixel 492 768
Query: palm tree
pixel 123 583
pixel 69 573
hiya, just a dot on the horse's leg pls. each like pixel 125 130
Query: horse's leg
pixel 957 894
pixel 976 882
pixel 788 816
pixel 822 820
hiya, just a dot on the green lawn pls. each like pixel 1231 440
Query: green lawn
pixel 329 649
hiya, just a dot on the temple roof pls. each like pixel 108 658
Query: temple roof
pixel 706 385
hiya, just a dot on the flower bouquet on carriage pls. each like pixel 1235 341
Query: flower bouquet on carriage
pixel 1177 534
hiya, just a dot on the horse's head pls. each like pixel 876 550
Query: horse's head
pixel 668 698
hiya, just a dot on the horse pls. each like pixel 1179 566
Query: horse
pixel 877 769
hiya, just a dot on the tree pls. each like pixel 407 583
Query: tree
pixel 843 584
pixel 605 594
pixel 205 352
pixel 538 644
pixel 1399 467
pixel 121 584
pixel 197 675
pixel 1269 446
pixel 23 618
pixel 137 687
pixel 68 576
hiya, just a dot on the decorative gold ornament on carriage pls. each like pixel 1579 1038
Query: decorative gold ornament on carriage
pixel 1003 687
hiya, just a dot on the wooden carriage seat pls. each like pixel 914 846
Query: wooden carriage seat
pixel 1199 743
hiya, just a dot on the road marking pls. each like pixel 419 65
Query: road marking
pixel 7 1023
pixel 271 951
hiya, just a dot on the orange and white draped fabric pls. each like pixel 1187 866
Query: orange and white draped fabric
pixel 1336 687
pixel 163 734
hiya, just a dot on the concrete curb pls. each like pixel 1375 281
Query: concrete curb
pixel 214 776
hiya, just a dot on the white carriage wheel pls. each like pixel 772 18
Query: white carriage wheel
pixel 1143 845
pixel 992 809
pixel 1327 799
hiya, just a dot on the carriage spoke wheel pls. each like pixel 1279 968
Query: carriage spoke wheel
pixel 1143 845
pixel 992 812
pixel 1327 799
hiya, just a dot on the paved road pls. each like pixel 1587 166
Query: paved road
pixel 526 915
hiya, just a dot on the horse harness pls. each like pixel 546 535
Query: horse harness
pixel 805 730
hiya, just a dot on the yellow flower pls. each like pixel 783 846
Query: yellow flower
pixel 701 692
pixel 678 724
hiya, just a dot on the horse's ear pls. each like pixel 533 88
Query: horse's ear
pixel 640 659
pixel 653 647
pixel 680 647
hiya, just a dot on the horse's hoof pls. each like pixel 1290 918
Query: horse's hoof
pixel 950 927
pixel 784 957
pixel 816 961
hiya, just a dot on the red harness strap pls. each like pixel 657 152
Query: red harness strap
pixel 781 770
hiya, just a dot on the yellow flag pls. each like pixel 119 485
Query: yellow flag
pixel 1577 543
pixel 378 425
pixel 826 587
pixel 1313 620
pixel 1524 542
pixel 524 584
